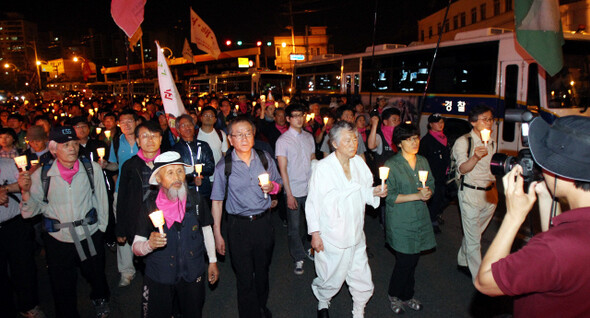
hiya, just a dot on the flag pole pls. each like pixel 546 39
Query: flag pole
pixel 373 54
pixel 129 95
pixel 440 32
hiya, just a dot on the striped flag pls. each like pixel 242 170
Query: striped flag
pixel 203 36
pixel 173 106
pixel 539 32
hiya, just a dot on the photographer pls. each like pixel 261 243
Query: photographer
pixel 550 272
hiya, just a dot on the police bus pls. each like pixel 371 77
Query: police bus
pixel 252 82
pixel 477 67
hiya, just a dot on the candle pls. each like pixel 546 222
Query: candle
pixel 199 109
pixel 263 98
pixel 100 152
pixel 157 218
pixel 34 162
pixel 276 104
pixel 383 174
pixel 21 162
pixel 312 115
pixel 308 117
pixel 199 168
pixel 237 107
pixel 55 118
pixel 485 136
pixel 423 176
pixel 98 130
pixel 107 134
pixel 264 179
pixel 253 103
pixel 325 120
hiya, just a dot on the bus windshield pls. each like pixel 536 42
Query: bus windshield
pixel 570 88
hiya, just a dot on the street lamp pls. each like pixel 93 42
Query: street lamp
pixel 15 68
pixel 164 49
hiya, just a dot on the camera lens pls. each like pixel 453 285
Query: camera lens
pixel 501 164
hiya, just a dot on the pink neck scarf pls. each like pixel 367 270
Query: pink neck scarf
pixel 440 136
pixel 173 210
pixel 388 134
pixel 66 173
pixel 282 129
pixel 363 132
pixel 147 160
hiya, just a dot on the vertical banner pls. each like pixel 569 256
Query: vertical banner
pixel 203 36
pixel 173 106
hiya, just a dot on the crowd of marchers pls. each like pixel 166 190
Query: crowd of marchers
pixel 86 176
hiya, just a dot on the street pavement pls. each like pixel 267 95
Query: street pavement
pixel 444 291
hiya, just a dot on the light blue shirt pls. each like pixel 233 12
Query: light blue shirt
pixel 125 152
pixel 297 148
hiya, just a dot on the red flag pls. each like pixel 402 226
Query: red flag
pixel 128 14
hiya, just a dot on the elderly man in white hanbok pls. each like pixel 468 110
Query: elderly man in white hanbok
pixel 339 189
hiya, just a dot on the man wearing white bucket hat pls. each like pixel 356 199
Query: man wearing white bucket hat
pixel 175 266
pixel 550 274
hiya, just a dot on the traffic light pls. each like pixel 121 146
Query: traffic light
pixel 228 42
pixel 269 43
pixel 258 43
pixel 239 43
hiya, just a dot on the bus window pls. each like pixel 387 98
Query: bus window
pixel 570 87
pixel 532 95
pixel 510 89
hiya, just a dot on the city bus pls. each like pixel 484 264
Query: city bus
pixel 252 83
pixel 477 67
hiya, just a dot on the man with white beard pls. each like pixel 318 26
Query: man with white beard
pixel 175 266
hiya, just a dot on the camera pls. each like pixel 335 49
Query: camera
pixel 502 163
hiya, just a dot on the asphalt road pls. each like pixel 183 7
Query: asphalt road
pixel 443 290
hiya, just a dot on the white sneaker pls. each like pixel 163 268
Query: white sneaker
pixel 126 280
pixel 298 268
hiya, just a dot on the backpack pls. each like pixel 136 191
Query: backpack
pixel 45 178
pixel 216 130
pixel 228 165
pixel 454 178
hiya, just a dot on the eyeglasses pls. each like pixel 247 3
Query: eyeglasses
pixel 486 120
pixel 149 136
pixel 81 126
pixel 208 116
pixel 242 135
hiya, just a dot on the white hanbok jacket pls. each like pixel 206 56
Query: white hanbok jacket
pixel 336 206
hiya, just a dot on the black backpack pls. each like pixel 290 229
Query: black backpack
pixel 228 165
pixel 45 178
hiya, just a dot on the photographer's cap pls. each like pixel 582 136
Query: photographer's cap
pixel 562 148
pixel 62 134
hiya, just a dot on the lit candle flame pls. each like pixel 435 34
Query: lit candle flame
pixel 423 176
pixel 100 152
pixel 383 174
pixel 21 162
pixel 157 218
pixel 485 136
pixel 198 168
pixel 264 179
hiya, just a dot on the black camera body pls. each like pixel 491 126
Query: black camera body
pixel 502 163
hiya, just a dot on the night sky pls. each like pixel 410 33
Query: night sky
pixel 349 22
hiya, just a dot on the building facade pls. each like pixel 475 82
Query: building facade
pixel 467 15
pixel 313 43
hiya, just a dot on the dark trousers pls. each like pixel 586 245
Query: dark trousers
pixel 401 283
pixel 438 202
pixel 159 300
pixel 17 256
pixel 250 246
pixel 62 263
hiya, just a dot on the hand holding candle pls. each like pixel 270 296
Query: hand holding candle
pixel 198 169
pixel 264 179
pixel 325 120
pixel 100 152
pixel 485 136
pixel 423 176
pixel 383 174
pixel 157 218
pixel 21 162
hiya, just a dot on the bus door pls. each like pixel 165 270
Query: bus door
pixel 351 83
pixel 511 90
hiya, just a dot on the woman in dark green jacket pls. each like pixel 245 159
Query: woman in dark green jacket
pixel 408 227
